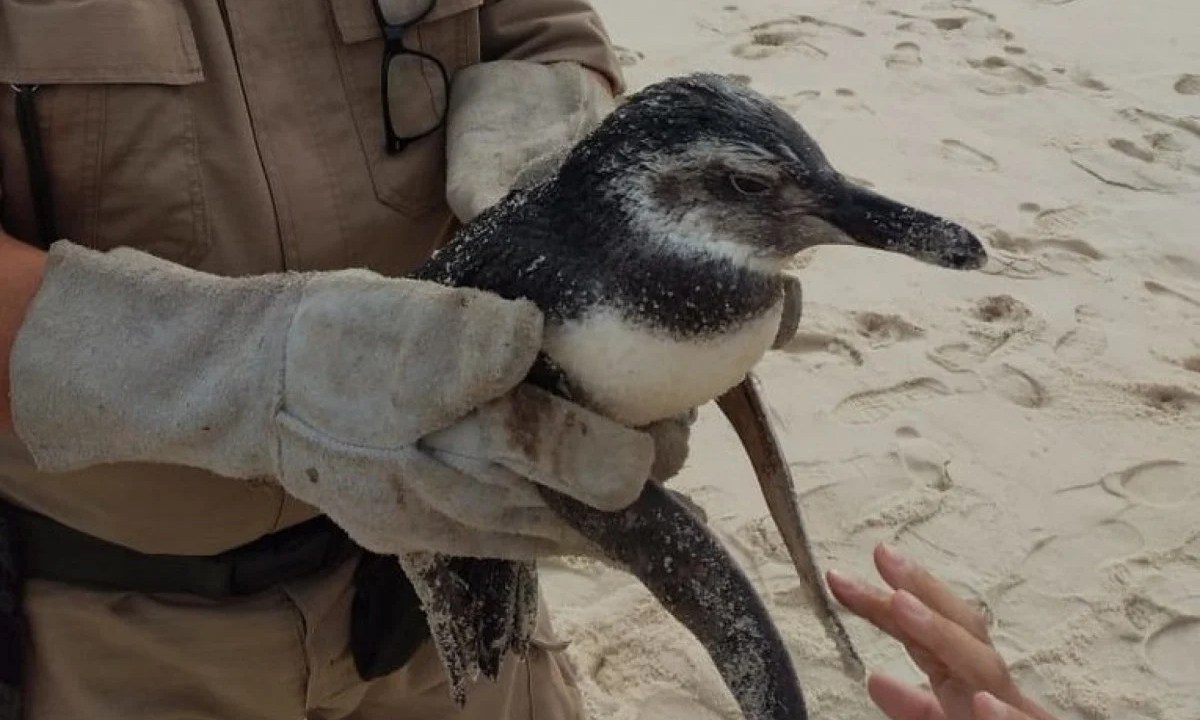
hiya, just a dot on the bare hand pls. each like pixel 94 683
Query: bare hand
pixel 946 637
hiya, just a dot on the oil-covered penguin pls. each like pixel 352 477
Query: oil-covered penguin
pixel 657 252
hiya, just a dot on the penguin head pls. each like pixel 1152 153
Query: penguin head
pixel 707 167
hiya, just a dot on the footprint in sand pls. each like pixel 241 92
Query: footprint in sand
pixel 1148 119
pixel 881 330
pixel 1168 162
pixel 1016 386
pixel 1023 245
pixel 1001 309
pixel 1005 77
pixel 1061 221
pixel 959 357
pixel 1095 549
pixel 772 41
pixel 823 346
pixel 964 153
pixel 1022 257
pixel 841 490
pixel 1170 400
pixel 1159 483
pixel 1164 142
pixel 789 35
pixel 1188 84
pixel 925 461
pixel 1172 651
pixel 996 321
pixel 875 405
pixel 1086 342
pixel 1176 586
pixel 904 56
pixel 1191 363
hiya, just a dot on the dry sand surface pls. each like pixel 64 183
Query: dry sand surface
pixel 1032 433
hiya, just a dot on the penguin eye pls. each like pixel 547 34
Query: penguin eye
pixel 749 185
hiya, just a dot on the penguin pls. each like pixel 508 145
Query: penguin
pixel 658 252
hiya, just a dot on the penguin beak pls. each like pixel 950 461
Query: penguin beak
pixel 875 221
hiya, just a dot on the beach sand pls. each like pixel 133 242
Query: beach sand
pixel 1031 434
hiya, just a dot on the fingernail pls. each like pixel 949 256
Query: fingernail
pixel 846 582
pixel 893 557
pixel 992 709
pixel 912 611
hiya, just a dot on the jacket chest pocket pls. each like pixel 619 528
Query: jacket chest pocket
pixel 119 143
pixel 413 180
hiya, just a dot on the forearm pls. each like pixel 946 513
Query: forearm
pixel 21 269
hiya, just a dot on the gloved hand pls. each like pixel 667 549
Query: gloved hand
pixel 511 122
pixel 347 387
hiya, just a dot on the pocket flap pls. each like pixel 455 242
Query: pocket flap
pixel 356 18
pixel 97 41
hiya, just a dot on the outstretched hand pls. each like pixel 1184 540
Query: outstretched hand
pixel 946 637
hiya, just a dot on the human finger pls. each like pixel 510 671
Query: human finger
pixel 988 707
pixel 866 601
pixel 875 606
pixel 966 656
pixel 903 574
pixel 903 702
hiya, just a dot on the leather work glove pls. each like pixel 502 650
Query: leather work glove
pixel 511 122
pixel 351 389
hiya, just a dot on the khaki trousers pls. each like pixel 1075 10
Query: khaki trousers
pixel 280 655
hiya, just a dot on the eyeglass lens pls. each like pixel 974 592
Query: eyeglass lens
pixel 416 94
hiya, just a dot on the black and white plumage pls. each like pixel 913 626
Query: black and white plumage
pixel 657 253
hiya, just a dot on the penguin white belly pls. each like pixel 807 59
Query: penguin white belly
pixel 636 374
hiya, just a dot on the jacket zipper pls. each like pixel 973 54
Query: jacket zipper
pixel 29 126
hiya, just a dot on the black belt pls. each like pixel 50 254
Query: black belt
pixel 50 550
pixel 387 622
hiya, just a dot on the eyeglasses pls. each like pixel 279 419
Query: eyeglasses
pixel 413 115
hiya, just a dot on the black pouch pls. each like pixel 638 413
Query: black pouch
pixel 12 620
pixel 387 624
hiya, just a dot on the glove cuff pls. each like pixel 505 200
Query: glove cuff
pixel 124 357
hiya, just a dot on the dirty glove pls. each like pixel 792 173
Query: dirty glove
pixel 511 122
pixel 344 386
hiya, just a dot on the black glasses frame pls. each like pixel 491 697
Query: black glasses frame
pixel 393 47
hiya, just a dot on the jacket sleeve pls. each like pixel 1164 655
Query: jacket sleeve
pixel 549 31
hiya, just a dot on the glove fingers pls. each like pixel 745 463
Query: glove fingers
pixel 428 529
pixel 555 443
pixel 506 503
pixel 671 438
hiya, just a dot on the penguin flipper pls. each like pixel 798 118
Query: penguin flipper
pixel 743 407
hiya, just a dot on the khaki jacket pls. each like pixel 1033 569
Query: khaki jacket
pixel 235 137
